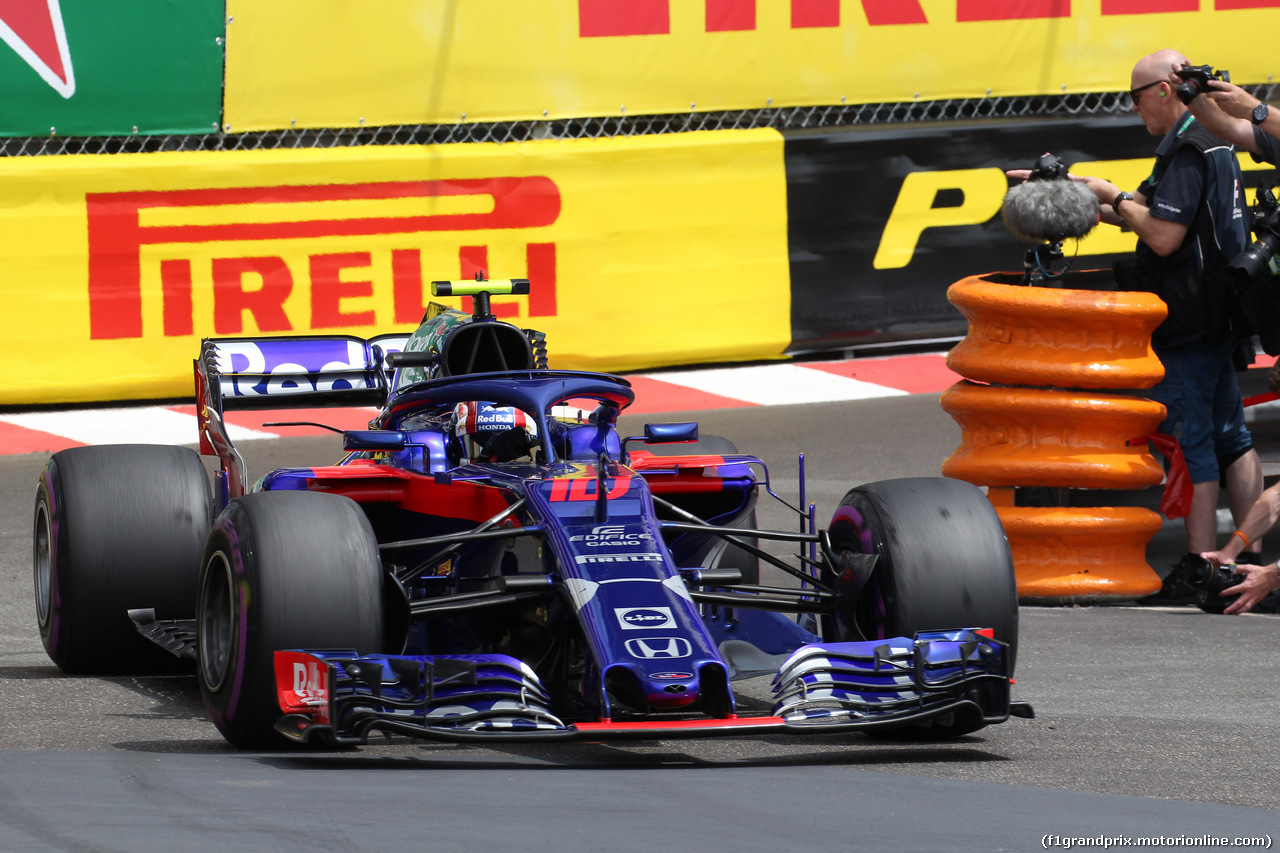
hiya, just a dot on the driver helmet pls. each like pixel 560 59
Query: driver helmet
pixel 492 433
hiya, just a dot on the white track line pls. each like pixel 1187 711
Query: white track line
pixel 138 425
pixel 762 385
pixel 777 384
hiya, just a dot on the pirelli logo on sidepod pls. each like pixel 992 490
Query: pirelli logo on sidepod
pixel 259 284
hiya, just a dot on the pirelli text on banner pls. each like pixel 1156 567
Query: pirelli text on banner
pixel 117 235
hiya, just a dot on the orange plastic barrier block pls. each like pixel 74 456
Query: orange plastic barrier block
pixel 1056 337
pixel 1064 555
pixel 1038 437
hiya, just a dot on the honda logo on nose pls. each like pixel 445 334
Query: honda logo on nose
pixel 649 648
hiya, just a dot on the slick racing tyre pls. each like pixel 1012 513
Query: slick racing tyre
pixel 116 528
pixel 944 563
pixel 281 570
pixel 748 565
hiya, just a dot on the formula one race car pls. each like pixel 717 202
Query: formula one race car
pixel 493 560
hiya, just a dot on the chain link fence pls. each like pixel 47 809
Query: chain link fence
pixel 782 118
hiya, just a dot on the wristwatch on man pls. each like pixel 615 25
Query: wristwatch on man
pixel 1122 196
pixel 1260 113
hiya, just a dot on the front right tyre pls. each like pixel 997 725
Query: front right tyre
pixel 281 570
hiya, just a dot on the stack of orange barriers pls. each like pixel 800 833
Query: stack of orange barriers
pixel 1043 403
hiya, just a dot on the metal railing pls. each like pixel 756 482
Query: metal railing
pixel 781 118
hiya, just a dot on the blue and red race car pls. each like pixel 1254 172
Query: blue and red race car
pixel 492 559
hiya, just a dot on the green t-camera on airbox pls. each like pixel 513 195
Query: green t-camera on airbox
pixel 451 342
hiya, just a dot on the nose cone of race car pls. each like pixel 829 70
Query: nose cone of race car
pixel 675 685
pixel 673 689
pixel 634 689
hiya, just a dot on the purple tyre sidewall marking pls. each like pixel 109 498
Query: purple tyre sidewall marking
pixel 850 514
pixel 240 600
pixel 49 627
pixel 866 544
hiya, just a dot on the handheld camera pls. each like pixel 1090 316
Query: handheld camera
pixel 1195 79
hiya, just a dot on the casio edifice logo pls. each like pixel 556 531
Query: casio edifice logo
pixel 606 535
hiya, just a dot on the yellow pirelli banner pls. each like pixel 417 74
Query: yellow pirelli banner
pixel 642 251
pixel 337 63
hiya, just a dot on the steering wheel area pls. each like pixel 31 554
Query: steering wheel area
pixel 533 392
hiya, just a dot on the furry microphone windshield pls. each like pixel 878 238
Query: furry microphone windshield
pixel 1049 207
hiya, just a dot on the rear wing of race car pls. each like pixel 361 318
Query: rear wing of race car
pixel 284 372
pixel 342 370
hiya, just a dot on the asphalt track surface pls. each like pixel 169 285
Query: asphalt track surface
pixel 1151 722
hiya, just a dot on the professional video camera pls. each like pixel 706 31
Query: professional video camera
pixel 1257 263
pixel 1196 80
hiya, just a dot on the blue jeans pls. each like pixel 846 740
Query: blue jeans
pixel 1204 409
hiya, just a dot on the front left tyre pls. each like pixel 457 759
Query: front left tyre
pixel 943 563
pixel 116 528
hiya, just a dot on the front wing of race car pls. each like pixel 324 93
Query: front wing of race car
pixel 339 698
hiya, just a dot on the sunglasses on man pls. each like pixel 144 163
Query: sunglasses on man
pixel 1134 94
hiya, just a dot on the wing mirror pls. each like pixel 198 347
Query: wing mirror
pixel 668 433
pixel 380 440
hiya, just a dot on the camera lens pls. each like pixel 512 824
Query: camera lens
pixel 1202 575
pixel 1199 572
pixel 1254 263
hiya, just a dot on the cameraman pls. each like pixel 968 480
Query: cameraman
pixel 1191 218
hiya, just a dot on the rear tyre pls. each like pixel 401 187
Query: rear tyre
pixel 116 527
pixel 282 570
pixel 944 563
pixel 747 564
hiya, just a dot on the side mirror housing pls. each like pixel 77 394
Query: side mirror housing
pixel 670 433
pixel 380 440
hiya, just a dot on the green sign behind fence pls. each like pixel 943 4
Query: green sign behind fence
pixel 84 67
